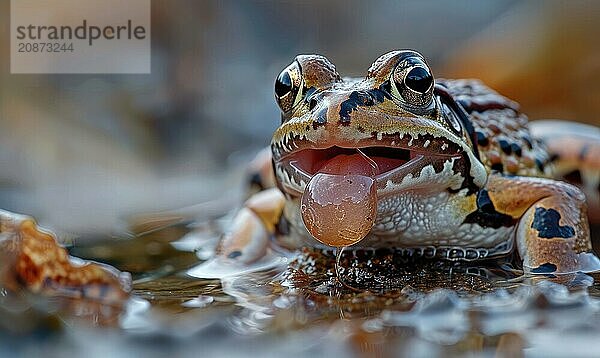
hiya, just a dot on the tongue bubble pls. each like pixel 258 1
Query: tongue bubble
pixel 338 210
pixel 339 204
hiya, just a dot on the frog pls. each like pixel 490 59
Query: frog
pixel 459 173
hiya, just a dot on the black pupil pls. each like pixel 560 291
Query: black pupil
pixel 418 79
pixel 283 85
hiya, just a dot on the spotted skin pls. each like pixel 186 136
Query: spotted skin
pixel 470 180
pixel 552 226
pixel 546 222
pixel 505 142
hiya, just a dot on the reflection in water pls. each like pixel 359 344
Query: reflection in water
pixel 396 304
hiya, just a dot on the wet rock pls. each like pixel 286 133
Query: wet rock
pixel 32 259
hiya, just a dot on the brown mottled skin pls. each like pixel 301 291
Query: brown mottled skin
pixel 471 180
pixel 507 145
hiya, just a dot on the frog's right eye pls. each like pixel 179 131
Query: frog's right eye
pixel 288 87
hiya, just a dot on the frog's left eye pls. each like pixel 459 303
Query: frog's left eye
pixel 288 86
pixel 413 82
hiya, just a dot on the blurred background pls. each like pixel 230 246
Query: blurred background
pixel 82 152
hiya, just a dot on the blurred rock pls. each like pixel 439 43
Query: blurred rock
pixel 543 54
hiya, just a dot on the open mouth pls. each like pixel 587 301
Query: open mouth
pixel 382 157
pixel 381 163
pixel 386 159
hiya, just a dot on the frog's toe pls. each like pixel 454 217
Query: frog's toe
pixel 247 239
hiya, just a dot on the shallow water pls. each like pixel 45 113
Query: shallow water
pixel 386 305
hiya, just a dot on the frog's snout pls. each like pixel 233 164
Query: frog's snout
pixel 332 110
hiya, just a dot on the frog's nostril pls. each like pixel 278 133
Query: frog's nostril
pixel 312 104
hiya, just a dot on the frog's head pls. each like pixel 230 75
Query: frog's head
pixel 418 136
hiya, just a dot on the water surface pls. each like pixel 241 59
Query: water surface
pixel 388 304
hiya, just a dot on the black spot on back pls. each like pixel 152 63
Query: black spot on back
pixel 516 149
pixel 506 148
pixel 545 221
pixel 539 164
pixel 482 139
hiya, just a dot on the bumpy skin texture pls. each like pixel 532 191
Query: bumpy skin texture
pixel 504 141
pixel 470 180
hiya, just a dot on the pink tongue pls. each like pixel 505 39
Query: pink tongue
pixel 340 201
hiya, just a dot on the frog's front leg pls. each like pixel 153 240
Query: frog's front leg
pixel 248 236
pixel 552 233
pixel 253 225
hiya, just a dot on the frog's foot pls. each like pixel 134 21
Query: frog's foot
pixel 248 237
pixel 575 149
pixel 552 234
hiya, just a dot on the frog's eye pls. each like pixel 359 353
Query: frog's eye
pixel 288 87
pixel 413 82
pixel 306 75
pixel 418 79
